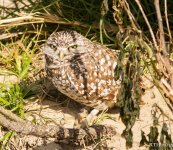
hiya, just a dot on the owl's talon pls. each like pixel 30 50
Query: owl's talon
pixel 88 119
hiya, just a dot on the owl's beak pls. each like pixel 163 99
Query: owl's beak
pixel 61 55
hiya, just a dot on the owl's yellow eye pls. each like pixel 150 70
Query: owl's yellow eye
pixel 52 46
pixel 73 46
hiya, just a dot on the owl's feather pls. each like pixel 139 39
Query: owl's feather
pixel 81 69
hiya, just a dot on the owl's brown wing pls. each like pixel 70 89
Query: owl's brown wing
pixel 92 76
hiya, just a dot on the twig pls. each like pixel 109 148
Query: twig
pixel 165 93
pixel 162 45
pixel 131 17
pixel 148 24
pixel 165 90
pixel 167 22
pixel 165 83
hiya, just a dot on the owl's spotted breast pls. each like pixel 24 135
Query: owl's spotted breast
pixel 86 75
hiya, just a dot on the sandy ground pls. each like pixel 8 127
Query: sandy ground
pixel 52 112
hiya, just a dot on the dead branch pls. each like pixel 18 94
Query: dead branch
pixel 13 122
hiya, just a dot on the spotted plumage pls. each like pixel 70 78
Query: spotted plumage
pixel 81 69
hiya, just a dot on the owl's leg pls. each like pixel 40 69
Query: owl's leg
pixel 92 116
pixel 87 119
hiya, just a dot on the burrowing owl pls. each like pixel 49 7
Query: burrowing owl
pixel 81 69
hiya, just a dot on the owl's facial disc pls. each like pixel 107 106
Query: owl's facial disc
pixel 64 45
pixel 60 53
pixel 64 53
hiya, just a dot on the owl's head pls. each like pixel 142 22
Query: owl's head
pixel 63 45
